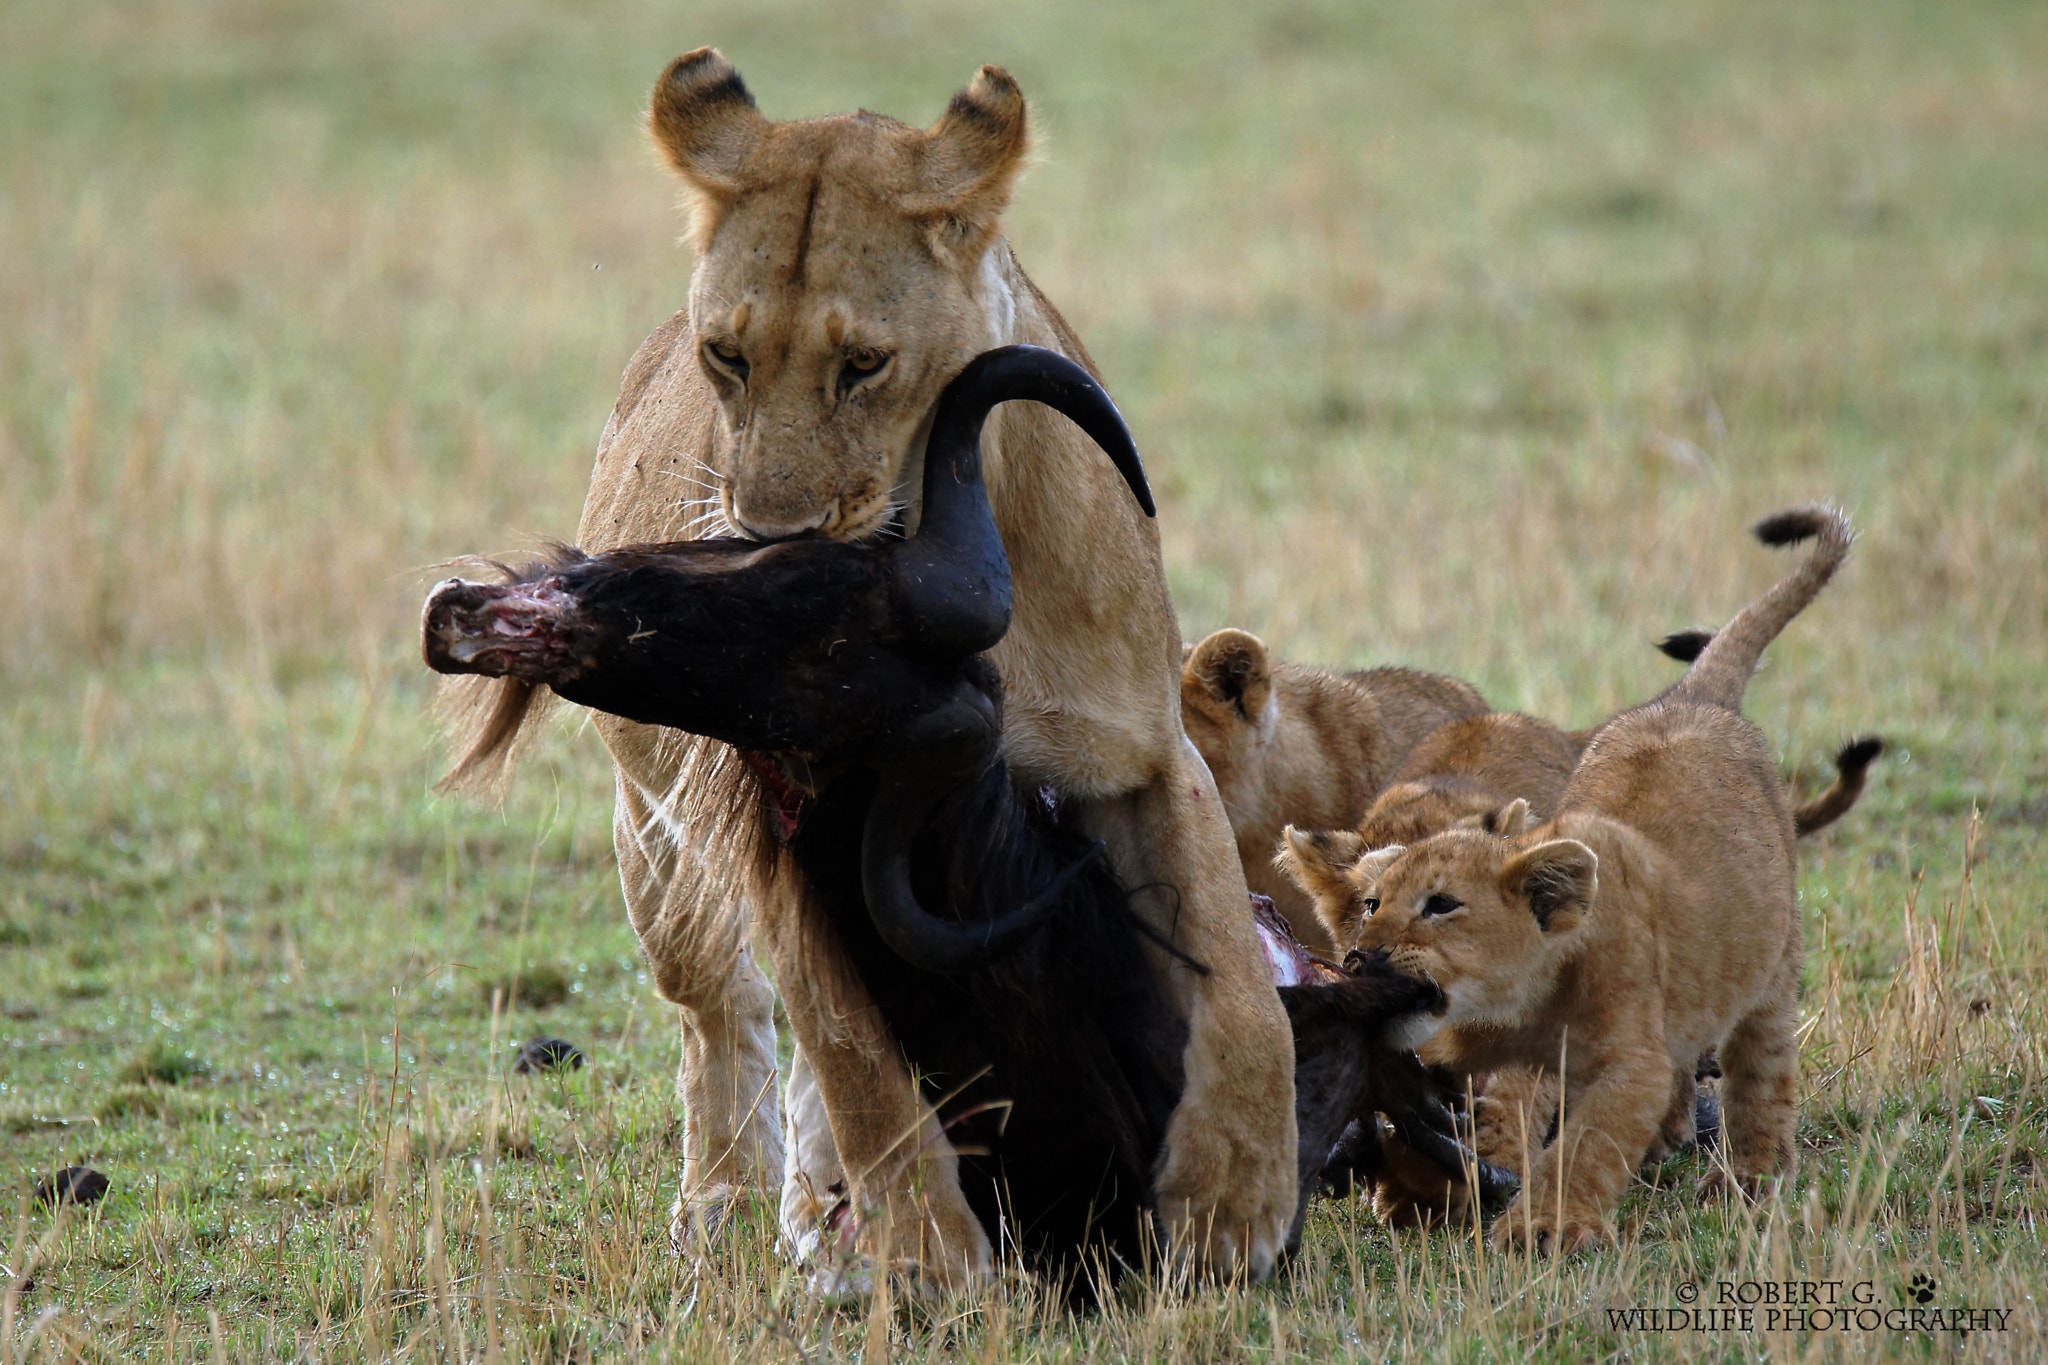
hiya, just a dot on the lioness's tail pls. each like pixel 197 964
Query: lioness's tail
pixel 1721 672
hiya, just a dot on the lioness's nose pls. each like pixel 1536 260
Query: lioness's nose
pixel 758 529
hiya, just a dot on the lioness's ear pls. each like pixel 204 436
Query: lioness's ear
pixel 704 120
pixel 969 162
pixel 1509 820
pixel 1558 878
pixel 1231 670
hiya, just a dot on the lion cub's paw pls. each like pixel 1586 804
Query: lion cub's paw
pixel 1717 1184
pixel 1517 1229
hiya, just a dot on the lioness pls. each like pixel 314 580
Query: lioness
pixel 1652 918
pixel 847 267
pixel 1295 745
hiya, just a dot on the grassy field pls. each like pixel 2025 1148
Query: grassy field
pixel 1466 335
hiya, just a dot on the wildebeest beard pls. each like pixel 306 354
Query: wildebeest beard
pixel 999 947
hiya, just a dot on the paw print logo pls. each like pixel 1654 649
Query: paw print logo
pixel 1921 1288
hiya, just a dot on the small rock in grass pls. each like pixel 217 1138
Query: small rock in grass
pixel 72 1185
pixel 547 1054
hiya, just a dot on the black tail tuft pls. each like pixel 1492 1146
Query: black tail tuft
pixel 1685 645
pixel 1791 527
pixel 1859 754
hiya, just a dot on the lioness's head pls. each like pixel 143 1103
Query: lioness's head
pixel 843 276
pixel 1481 916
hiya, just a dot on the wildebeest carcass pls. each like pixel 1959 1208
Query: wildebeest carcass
pixel 1001 951
pixel 1347 1076
pixel 997 945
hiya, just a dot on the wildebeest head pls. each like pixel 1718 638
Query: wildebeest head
pixel 823 653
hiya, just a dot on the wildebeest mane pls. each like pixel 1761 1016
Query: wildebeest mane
pixel 1071 1028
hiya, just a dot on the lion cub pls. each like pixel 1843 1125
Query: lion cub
pixel 1461 774
pixel 1293 745
pixel 1651 919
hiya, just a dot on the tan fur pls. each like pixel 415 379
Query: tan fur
pixel 1497 771
pixel 1451 781
pixel 1653 918
pixel 848 267
pixel 1463 773
pixel 1852 771
pixel 1294 745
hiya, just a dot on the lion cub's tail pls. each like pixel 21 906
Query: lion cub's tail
pixel 1721 672
pixel 1852 770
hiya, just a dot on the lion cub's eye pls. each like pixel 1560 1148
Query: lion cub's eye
pixel 1369 904
pixel 1441 904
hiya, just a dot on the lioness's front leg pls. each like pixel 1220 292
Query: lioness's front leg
pixel 695 946
pixel 1227 1182
pixel 902 1176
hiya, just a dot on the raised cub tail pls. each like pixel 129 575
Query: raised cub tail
pixel 1852 767
pixel 1721 672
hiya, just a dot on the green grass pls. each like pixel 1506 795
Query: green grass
pixel 1469 336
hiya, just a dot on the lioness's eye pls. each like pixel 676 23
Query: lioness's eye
pixel 861 364
pixel 725 353
pixel 1441 904
pixel 1370 904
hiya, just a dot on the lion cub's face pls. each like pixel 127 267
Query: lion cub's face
pixel 1483 918
pixel 1410 811
pixel 845 272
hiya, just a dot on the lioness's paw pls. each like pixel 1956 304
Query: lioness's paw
pixel 1517 1229
pixel 1224 1206
pixel 698 1220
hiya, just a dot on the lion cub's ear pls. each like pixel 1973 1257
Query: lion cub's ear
pixel 703 119
pixel 969 163
pixel 1510 820
pixel 1229 673
pixel 1365 873
pixel 1316 861
pixel 1558 879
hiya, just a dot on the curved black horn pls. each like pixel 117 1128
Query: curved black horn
pixel 952 578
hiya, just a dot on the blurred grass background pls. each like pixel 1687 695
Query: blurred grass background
pixel 1468 335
